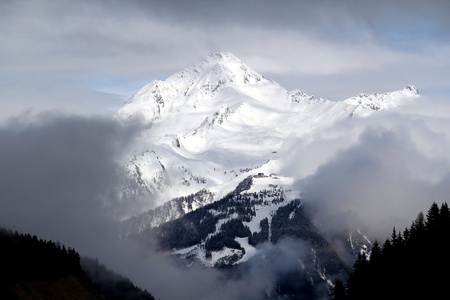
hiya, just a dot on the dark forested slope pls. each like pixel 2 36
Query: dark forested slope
pixel 412 264
pixel 32 268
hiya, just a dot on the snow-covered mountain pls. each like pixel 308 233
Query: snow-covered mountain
pixel 211 149
pixel 366 104
pixel 215 123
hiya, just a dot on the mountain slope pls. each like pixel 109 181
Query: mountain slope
pixel 234 233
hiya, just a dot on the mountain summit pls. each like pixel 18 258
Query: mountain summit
pixel 366 104
pixel 186 89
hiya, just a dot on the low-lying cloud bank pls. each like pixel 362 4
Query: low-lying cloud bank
pixel 59 176
pixel 378 172
pixel 60 181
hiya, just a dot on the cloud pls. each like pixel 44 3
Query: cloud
pixel 375 173
pixel 88 37
pixel 60 176
pixel 61 180
pixel 255 279
pixel 34 93
pixel 260 275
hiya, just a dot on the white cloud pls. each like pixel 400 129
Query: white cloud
pixel 378 172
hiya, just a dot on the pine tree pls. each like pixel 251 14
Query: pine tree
pixel 339 290
pixel 418 226
pixel 433 217
pixel 375 255
pixel 407 266
pixel 357 283
pixel 444 219
pixel 406 235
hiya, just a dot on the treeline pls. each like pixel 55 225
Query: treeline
pixel 194 227
pixel 36 268
pixel 25 257
pixel 412 264
pixel 111 284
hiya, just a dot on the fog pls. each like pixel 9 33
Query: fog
pixel 60 180
pixel 61 177
pixel 378 172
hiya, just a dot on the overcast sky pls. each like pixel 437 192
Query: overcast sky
pixel 90 56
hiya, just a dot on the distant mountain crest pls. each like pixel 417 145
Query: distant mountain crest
pixel 366 103
pixel 300 96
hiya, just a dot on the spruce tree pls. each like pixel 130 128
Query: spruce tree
pixel 408 266
pixel 433 217
pixel 339 290
pixel 357 284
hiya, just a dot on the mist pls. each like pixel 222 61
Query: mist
pixel 61 180
pixel 62 174
pixel 59 175
pixel 375 173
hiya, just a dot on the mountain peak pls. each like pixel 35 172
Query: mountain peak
pixel 224 66
pixel 192 86
pixel 367 103
pixel 411 89
pixel 222 56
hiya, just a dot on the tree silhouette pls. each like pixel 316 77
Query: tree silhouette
pixel 409 264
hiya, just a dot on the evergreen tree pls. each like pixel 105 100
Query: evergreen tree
pixel 339 291
pixel 357 285
pixel 407 266
pixel 418 227
pixel 433 217
pixel 406 235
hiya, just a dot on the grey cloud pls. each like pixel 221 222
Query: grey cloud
pixel 60 180
pixel 322 17
pixel 60 177
pixel 94 31
pixel 36 93
pixel 168 280
pixel 392 171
